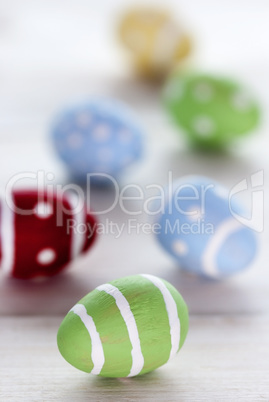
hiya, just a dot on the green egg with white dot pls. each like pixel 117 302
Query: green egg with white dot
pixel 125 328
pixel 212 111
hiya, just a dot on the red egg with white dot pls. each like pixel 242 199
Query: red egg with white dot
pixel 41 233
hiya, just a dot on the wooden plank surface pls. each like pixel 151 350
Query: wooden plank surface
pixel 224 359
pixel 53 51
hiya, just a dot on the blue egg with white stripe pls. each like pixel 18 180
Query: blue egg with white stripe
pixel 204 229
pixel 99 137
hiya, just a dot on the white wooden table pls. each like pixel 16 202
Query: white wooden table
pixel 53 51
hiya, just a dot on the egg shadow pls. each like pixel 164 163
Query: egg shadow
pixel 203 295
pixel 138 93
pixel 226 167
pixel 43 296
pixel 128 387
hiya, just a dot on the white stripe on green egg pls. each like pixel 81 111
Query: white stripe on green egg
pixel 127 315
pixel 97 354
pixel 130 327
pixel 171 308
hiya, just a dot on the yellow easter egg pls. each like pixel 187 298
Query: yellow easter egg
pixel 155 41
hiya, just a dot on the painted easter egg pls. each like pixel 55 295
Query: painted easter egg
pixel 154 40
pixel 97 137
pixel 125 328
pixel 204 229
pixel 40 233
pixel 211 111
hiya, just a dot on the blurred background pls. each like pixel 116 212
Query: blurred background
pixel 53 52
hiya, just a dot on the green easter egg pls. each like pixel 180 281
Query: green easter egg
pixel 212 111
pixel 125 328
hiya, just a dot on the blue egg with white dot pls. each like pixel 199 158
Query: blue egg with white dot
pixel 99 136
pixel 203 228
